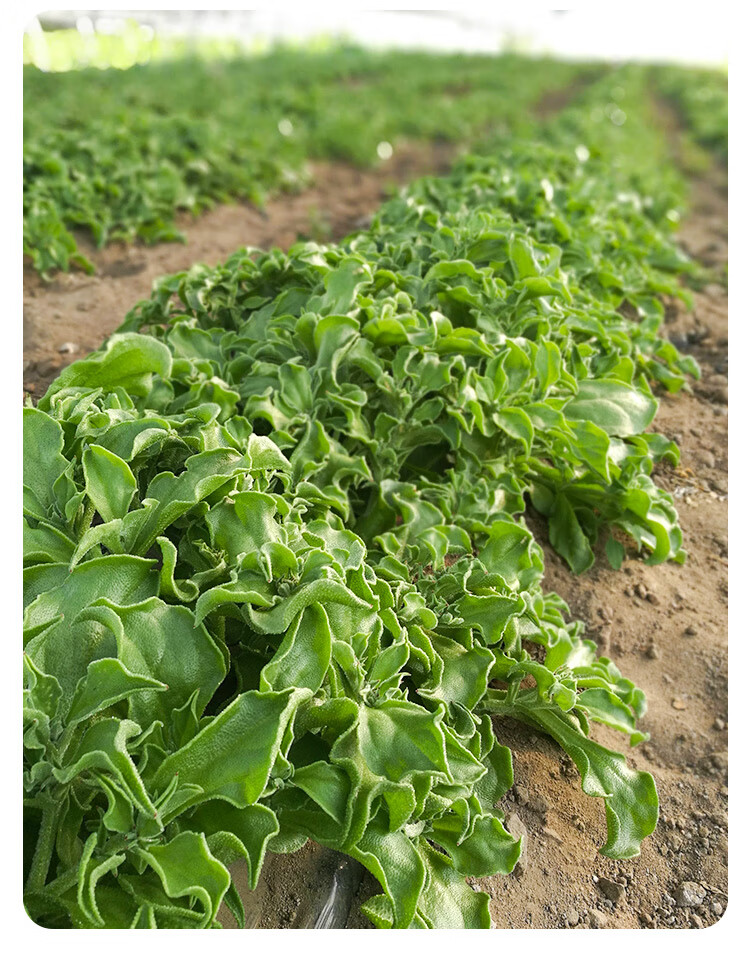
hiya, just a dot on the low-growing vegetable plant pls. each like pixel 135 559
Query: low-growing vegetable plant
pixel 702 99
pixel 278 580
pixel 119 154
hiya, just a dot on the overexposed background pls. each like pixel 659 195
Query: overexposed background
pixel 686 34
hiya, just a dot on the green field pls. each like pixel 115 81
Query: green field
pixel 278 579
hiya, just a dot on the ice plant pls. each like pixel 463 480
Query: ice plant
pixel 278 580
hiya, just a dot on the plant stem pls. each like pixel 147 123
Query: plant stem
pixel 86 518
pixel 62 883
pixel 44 846
pixel 513 688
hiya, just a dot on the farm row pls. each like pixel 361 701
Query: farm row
pixel 278 580
pixel 118 154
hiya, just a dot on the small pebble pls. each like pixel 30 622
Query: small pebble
pixel 705 458
pixel 612 890
pixel 67 348
pixel 691 631
pixel 719 724
pixel 689 894
pixel 538 804
pixel 652 651
pixel 597 919
pixel 678 705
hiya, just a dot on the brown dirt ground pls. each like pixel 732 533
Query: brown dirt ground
pixel 666 627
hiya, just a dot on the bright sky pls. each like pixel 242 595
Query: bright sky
pixel 608 31
pixel 653 32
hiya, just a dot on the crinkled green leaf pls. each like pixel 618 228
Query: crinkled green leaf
pixel 304 654
pixel 231 758
pixel 128 362
pixel 629 795
pixel 186 867
pixel 164 643
pixel 614 406
pixel 110 484
pixel 106 682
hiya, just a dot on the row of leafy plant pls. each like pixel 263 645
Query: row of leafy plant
pixel 278 580
pixel 701 97
pixel 119 154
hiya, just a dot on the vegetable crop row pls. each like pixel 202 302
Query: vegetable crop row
pixel 119 154
pixel 702 100
pixel 278 580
